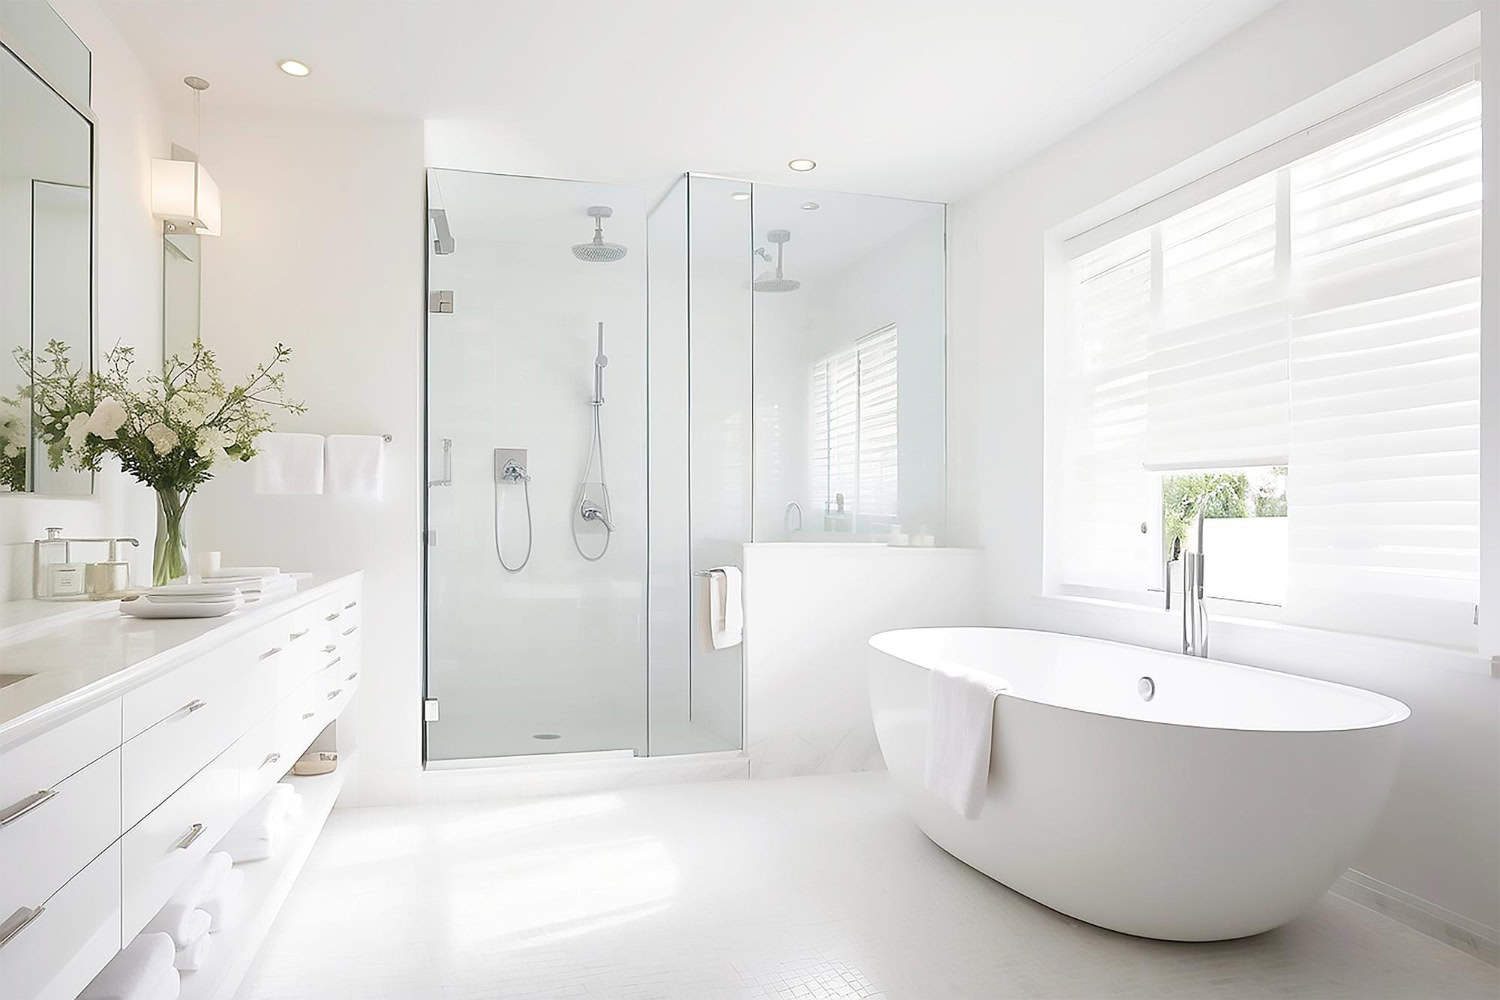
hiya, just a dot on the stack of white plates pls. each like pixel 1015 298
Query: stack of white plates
pixel 185 600
pixel 257 583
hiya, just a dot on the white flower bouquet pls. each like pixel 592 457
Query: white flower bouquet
pixel 168 431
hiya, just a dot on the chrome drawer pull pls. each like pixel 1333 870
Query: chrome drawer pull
pixel 298 635
pixel 329 648
pixel 333 662
pixel 30 802
pixel 350 605
pixel 270 652
pixel 194 832
pixel 351 630
pixel 193 706
pixel 18 922
pixel 352 676
pixel 271 758
pixel 335 693
pixel 332 617
pixel 306 716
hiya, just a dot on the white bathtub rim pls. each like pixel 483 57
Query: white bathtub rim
pixel 1399 711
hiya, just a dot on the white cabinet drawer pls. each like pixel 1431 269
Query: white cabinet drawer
pixel 60 949
pixel 46 759
pixel 161 850
pixel 159 761
pixel 49 837
pixel 263 755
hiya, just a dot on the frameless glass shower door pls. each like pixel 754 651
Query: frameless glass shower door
pixel 536 499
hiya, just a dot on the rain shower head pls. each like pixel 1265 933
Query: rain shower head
pixel 597 251
pixel 776 281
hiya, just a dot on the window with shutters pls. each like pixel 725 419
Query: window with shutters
pixel 854 430
pixel 1299 332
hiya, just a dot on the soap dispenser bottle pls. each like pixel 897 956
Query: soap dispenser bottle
pixel 53 574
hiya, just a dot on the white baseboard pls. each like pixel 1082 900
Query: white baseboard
pixel 1451 928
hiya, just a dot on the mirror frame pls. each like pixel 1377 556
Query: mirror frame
pixel 16 50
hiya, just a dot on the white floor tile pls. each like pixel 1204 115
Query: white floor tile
pixel 790 889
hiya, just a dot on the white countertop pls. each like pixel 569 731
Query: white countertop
pixel 94 653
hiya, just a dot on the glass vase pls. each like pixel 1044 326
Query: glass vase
pixel 169 562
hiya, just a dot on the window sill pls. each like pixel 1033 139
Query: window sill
pixel 1255 640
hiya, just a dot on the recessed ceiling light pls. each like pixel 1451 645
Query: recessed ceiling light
pixel 810 206
pixel 741 196
pixel 292 67
pixel 802 163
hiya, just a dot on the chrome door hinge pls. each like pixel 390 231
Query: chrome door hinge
pixel 440 301
pixel 430 535
pixel 429 710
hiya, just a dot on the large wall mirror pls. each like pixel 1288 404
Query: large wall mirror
pixel 46 258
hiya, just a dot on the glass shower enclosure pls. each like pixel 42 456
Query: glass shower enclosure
pixel 625 385
pixel 584 468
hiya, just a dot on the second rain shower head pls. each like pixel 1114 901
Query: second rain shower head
pixel 776 281
pixel 597 251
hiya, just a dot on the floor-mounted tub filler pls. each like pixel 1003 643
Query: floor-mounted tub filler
pixel 1142 791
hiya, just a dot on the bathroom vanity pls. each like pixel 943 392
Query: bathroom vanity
pixel 128 748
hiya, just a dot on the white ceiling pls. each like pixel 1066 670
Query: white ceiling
pixel 921 98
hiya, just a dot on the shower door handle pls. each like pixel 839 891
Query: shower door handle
pixel 447 479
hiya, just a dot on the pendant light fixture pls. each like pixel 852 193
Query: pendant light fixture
pixel 183 195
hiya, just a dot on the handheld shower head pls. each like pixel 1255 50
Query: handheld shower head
pixel 597 251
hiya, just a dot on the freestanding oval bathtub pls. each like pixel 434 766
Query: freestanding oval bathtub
pixel 1223 806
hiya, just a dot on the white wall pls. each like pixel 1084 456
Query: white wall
pixel 322 249
pixel 810 610
pixel 1439 837
pixel 129 133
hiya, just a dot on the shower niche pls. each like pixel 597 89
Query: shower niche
pixel 624 386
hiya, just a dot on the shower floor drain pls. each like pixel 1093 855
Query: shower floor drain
pixel 546 736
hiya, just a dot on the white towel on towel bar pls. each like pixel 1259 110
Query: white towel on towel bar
pixel 142 970
pixel 288 463
pixel 726 609
pixel 958 746
pixel 354 465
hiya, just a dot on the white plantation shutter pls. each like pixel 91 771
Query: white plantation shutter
pixel 854 428
pixel 1324 315
pixel 1384 473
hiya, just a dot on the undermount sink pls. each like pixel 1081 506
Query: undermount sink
pixel 8 679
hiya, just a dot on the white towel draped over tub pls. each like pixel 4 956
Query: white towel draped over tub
pixel 958 746
pixel 288 463
pixel 726 609
pixel 354 465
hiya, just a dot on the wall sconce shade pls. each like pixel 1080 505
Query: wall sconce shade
pixel 182 192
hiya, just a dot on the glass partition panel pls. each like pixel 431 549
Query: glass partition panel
pixel 849 367
pixel 700 348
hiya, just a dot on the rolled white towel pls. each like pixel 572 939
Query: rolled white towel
pixel 176 917
pixel 182 922
pixel 223 904
pixel 192 957
pixel 139 971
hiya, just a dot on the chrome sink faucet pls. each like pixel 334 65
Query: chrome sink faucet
pixel 1194 613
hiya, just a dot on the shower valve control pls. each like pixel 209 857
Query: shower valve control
pixel 510 465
